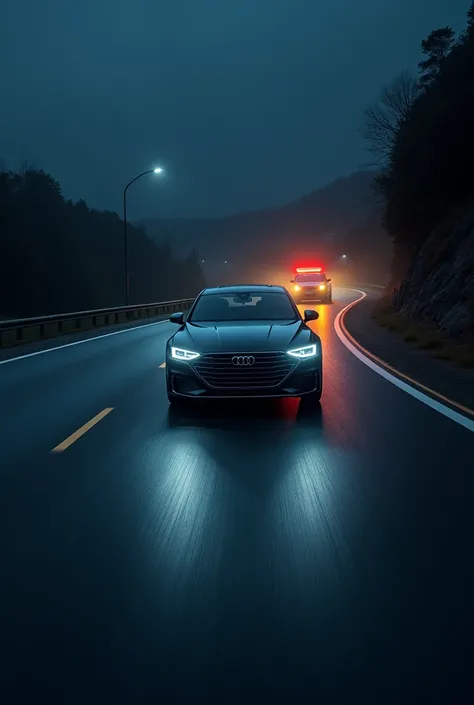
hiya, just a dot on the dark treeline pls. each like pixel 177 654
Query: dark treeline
pixel 58 256
pixel 422 133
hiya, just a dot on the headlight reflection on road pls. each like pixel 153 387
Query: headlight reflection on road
pixel 180 503
pixel 323 327
pixel 308 512
pixel 324 321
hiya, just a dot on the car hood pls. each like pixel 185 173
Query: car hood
pixel 253 336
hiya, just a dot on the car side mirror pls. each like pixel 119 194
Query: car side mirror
pixel 328 280
pixel 177 318
pixel 310 315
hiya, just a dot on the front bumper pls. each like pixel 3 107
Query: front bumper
pixel 183 380
pixel 302 295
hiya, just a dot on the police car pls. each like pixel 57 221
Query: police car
pixel 311 284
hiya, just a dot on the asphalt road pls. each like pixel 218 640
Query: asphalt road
pixel 246 554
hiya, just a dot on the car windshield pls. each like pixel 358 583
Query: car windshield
pixel 311 277
pixel 243 306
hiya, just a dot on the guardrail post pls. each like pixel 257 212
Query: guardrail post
pixel 19 331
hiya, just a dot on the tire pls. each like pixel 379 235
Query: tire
pixel 310 405
pixel 313 398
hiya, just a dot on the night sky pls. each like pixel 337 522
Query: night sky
pixel 247 103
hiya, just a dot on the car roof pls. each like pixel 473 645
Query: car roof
pixel 254 288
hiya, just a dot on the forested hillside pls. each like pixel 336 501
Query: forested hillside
pixel 422 133
pixel 56 255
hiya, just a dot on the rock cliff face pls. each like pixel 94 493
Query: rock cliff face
pixel 439 287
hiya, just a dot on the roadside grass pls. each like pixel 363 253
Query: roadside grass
pixel 423 336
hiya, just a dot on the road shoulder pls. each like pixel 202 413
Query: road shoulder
pixel 442 377
pixel 61 341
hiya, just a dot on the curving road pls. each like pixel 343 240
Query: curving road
pixel 242 555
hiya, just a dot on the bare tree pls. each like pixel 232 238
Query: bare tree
pixel 384 118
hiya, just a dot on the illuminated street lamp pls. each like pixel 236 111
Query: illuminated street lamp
pixel 156 170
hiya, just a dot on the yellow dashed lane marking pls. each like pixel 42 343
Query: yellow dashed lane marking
pixel 81 431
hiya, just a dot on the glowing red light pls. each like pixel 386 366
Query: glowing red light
pixel 300 270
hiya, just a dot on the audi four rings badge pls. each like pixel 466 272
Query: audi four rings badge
pixel 243 360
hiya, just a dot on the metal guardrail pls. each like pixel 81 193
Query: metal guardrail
pixel 28 330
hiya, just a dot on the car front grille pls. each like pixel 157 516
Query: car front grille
pixel 269 370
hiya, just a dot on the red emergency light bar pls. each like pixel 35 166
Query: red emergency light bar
pixel 300 270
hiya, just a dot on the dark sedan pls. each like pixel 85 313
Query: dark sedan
pixel 244 341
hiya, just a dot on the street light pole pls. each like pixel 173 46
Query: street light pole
pixel 158 170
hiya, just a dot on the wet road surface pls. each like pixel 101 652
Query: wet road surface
pixel 249 552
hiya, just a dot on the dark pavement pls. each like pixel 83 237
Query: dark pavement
pixel 244 553
pixel 448 379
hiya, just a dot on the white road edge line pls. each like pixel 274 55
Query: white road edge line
pixel 424 398
pixel 79 342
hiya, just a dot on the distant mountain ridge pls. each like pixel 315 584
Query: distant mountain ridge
pixel 326 221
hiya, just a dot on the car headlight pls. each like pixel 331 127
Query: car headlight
pixel 186 355
pixel 304 352
pixel 322 287
pixel 297 288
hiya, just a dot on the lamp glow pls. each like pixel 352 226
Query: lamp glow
pixel 184 355
pixel 304 352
